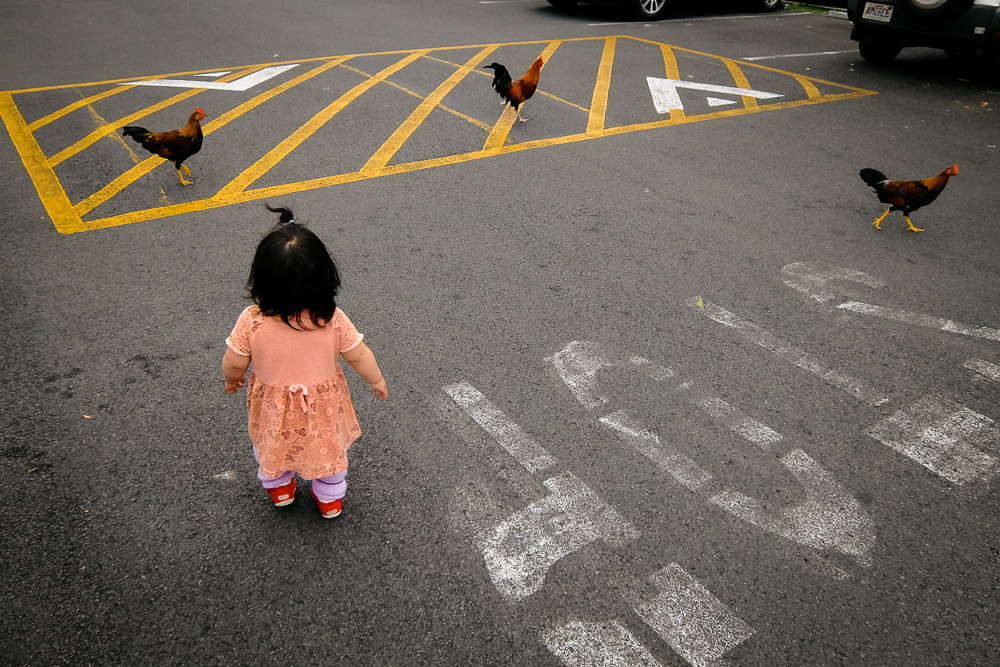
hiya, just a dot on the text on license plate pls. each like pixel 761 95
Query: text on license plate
pixel 875 11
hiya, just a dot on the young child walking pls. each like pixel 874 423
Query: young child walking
pixel 301 416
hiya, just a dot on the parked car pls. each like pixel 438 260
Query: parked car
pixel 650 10
pixel 883 28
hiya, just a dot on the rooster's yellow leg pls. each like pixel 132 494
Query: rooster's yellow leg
pixel 881 218
pixel 186 170
pixel 912 228
pixel 181 176
pixel 519 117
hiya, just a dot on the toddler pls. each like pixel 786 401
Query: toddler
pixel 301 417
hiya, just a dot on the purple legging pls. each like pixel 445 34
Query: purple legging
pixel 327 489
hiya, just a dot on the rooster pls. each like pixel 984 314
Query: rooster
pixel 176 145
pixel 906 196
pixel 517 92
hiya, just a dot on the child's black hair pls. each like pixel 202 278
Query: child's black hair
pixel 292 273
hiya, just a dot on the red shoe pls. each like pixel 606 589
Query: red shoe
pixel 283 495
pixel 329 510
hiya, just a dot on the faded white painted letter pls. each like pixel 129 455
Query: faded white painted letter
pixel 953 441
pixel 689 618
pixel 519 552
pixel 588 644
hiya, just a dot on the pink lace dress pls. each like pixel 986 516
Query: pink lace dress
pixel 301 415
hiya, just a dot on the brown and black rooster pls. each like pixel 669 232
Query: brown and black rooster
pixel 517 92
pixel 176 145
pixel 906 196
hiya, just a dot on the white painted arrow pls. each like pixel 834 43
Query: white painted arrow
pixel 665 97
pixel 239 85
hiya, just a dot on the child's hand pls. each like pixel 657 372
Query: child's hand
pixel 232 387
pixel 381 391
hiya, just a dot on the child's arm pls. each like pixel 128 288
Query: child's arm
pixel 234 368
pixel 363 361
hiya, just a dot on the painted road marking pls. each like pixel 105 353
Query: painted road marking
pixel 800 55
pixel 696 624
pixel 984 368
pixel 813 279
pixel 948 439
pixel 791 354
pixel 666 98
pixel 647 443
pixel 504 432
pixel 238 85
pixel 921 320
pixel 520 550
pixel 236 181
pixel 828 518
pixel 589 644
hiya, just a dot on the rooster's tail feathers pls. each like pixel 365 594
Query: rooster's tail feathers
pixel 873 176
pixel 136 132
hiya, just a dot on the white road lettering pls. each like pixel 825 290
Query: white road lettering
pixel 948 439
pixel 792 354
pixel 921 320
pixel 666 98
pixel 589 644
pixel 647 443
pixel 520 550
pixel 699 627
pixel 813 278
pixel 829 517
pixel 579 362
pixel 984 368
pixel 505 432
pixel 239 85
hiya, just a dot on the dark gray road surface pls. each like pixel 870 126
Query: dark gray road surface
pixel 752 496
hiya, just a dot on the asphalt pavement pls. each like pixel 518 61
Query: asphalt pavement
pixel 660 393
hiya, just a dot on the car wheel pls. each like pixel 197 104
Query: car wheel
pixel 767 5
pixel 878 52
pixel 562 4
pixel 649 10
pixel 929 11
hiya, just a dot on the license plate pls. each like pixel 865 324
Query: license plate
pixel 876 11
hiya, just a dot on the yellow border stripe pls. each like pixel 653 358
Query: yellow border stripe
pixel 56 115
pixel 599 103
pixel 147 165
pixel 280 151
pixel 672 72
pixel 101 132
pixel 741 81
pixel 382 156
pixel 498 135
pixel 50 190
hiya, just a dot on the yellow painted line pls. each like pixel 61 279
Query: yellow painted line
pixel 50 190
pixel 382 156
pixel 672 71
pixel 469 119
pixel 96 135
pixel 741 81
pixel 279 152
pixel 811 90
pixel 221 200
pixel 147 165
pixel 863 91
pixel 500 130
pixel 599 103
pixel 85 102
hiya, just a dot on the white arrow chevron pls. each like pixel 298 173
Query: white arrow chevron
pixel 239 85
pixel 665 97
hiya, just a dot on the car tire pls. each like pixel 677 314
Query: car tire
pixel 768 5
pixel 563 4
pixel 931 11
pixel 649 10
pixel 879 51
